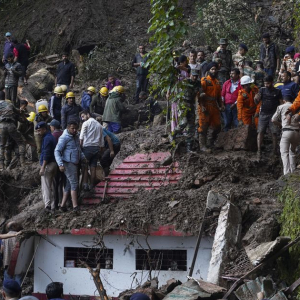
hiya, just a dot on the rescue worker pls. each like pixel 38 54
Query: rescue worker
pixel 192 93
pixel 42 116
pixel 139 62
pixel 8 129
pixel 48 165
pixel 26 128
pixel 290 137
pixel 270 99
pixel 87 98
pixel 70 111
pixel 55 103
pixel 114 108
pixel 230 93
pixel 239 58
pixel 210 104
pixel 226 57
pixel 98 101
pixel 12 72
pixel 64 90
pixel 247 109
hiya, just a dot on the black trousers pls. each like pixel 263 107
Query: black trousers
pixel 106 160
pixel 141 86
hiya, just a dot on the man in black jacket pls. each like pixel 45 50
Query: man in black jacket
pixel 65 73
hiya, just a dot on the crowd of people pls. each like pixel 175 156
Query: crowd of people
pixel 228 91
pixel 70 138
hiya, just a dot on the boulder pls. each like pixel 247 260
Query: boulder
pixel 241 138
pixel 40 83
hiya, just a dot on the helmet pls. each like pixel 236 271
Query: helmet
pixel 31 116
pixel 64 88
pixel 104 91
pixel 246 80
pixel 278 84
pixel 7 34
pixel 58 90
pixel 92 89
pixel 70 95
pixel 119 89
pixel 42 108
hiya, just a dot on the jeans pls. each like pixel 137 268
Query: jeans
pixel 141 86
pixel 270 71
pixel 18 277
pixel 71 171
pixel 114 127
pixel 91 153
pixel 230 117
pixel 106 160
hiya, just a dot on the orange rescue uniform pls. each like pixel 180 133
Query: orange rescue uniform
pixel 246 106
pixel 295 107
pixel 210 117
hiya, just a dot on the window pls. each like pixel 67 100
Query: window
pixel 165 260
pixel 92 256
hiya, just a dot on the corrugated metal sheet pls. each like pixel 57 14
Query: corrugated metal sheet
pixel 136 172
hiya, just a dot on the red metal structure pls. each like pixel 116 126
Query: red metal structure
pixel 135 172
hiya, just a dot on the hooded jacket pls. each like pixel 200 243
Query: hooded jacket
pixel 68 149
pixel 113 108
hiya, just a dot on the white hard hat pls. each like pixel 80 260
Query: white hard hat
pixel 246 80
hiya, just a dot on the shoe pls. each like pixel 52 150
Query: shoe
pixel 48 209
pixel 77 208
pixel 62 208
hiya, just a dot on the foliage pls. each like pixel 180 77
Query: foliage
pixel 235 20
pixel 168 29
pixel 296 17
pixel 290 226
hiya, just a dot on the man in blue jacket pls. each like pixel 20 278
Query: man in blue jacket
pixel 68 155
pixel 48 165
pixel 87 98
pixel 289 88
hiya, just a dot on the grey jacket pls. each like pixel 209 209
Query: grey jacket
pixel 12 73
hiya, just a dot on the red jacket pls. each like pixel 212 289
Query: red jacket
pixel 228 97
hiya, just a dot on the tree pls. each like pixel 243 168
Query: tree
pixel 168 29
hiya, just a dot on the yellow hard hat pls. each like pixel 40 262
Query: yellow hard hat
pixel 119 89
pixel 31 116
pixel 92 89
pixel 278 84
pixel 64 88
pixel 104 91
pixel 58 90
pixel 42 108
pixel 70 95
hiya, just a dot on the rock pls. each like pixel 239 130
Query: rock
pixel 40 83
pixel 256 201
pixel 78 61
pixel 241 138
pixel 265 229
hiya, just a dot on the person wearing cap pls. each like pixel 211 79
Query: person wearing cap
pixel 289 87
pixel 65 73
pixel 226 57
pixel 70 111
pixel 11 289
pixel 68 156
pixel 8 47
pixel 139 62
pixel 41 116
pixel 240 57
pixel 55 129
pixel 112 82
pixel 230 91
pixel 54 290
pixel 114 108
pixel 92 142
pixel 21 52
pixel 247 109
pixel 260 74
pixel 55 103
pixel 210 104
pixel 7 248
pixel 87 98
pixel 98 101
pixel 269 55
pixel 48 165
pixel 290 138
pixel 12 72
pixel 270 99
